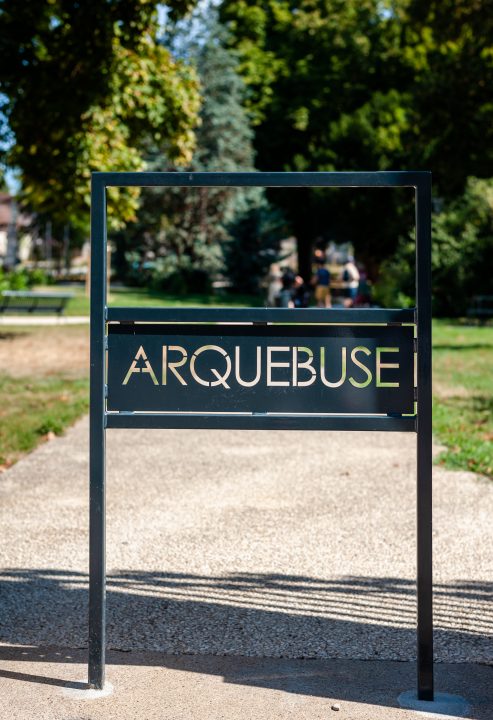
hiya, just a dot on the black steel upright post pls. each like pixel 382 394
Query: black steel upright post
pixel 424 441
pixel 97 581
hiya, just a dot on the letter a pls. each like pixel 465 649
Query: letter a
pixel 146 369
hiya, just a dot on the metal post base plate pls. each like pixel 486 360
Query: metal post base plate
pixel 443 704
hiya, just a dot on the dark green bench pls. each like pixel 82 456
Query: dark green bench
pixel 481 308
pixel 30 301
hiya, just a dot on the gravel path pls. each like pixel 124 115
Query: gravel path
pixel 272 544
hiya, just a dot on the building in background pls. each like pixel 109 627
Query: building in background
pixel 16 238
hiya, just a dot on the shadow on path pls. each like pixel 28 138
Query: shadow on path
pixel 256 615
pixel 291 633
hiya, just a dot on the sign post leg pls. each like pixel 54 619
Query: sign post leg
pixel 425 599
pixel 97 580
pixel 97 447
pixel 424 463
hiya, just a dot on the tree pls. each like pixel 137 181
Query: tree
pixel 323 95
pixel 365 85
pixel 448 47
pixel 184 231
pixel 254 246
pixel 462 255
pixel 84 84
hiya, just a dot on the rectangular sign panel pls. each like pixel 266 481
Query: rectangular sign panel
pixel 260 368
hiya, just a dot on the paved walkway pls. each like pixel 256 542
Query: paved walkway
pixel 252 544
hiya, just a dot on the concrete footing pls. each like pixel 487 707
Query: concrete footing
pixel 444 704
pixel 80 690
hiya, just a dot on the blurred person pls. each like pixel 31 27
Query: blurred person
pixel 321 281
pixel 286 294
pixel 363 298
pixel 350 277
pixel 301 293
pixel 274 285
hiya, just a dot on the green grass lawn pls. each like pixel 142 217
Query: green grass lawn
pixel 44 384
pixel 33 409
pixel 463 395
pixel 142 297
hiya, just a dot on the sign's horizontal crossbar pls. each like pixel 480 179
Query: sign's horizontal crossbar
pixel 407 178
pixel 227 421
pixel 270 315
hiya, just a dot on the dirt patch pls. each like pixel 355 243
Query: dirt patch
pixel 44 351
pixel 444 391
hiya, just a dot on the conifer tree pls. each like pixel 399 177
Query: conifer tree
pixel 187 230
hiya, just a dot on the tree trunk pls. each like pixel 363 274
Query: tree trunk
pixel 11 253
pixel 304 257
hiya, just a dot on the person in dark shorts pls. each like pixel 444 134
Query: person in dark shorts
pixel 321 280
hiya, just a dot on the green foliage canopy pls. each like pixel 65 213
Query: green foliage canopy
pixel 366 84
pixel 84 85
pixel 325 92
pixel 462 255
pixel 448 47
pixel 182 231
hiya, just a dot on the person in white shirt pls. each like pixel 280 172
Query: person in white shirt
pixel 350 276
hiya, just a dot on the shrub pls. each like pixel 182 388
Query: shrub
pixel 462 256
pixel 22 279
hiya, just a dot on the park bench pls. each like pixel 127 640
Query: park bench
pixel 30 301
pixel 481 308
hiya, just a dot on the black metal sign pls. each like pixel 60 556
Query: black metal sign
pixel 261 368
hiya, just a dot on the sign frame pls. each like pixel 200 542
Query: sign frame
pixel 101 420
